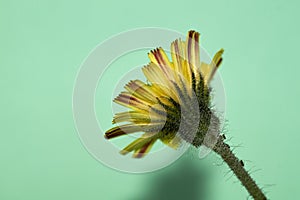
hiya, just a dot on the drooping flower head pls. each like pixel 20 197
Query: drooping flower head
pixel 174 104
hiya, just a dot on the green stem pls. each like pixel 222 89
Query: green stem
pixel 238 169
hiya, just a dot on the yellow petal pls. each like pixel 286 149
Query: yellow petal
pixel 174 142
pixel 160 78
pixel 205 70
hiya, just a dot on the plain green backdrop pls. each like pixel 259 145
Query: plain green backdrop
pixel 43 43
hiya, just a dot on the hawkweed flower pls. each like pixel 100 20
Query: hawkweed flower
pixel 175 105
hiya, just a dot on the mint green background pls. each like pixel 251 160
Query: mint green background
pixel 42 45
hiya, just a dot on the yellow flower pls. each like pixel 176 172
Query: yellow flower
pixel 175 103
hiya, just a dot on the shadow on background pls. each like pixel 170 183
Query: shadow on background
pixel 186 179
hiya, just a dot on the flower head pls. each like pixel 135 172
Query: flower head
pixel 174 105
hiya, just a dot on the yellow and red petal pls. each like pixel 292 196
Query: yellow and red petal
pixel 139 153
pixel 141 145
pixel 140 90
pixel 208 70
pixel 133 128
pixel 159 57
pixel 138 117
pixel 193 53
pixel 131 101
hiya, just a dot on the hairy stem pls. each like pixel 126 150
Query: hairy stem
pixel 237 167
